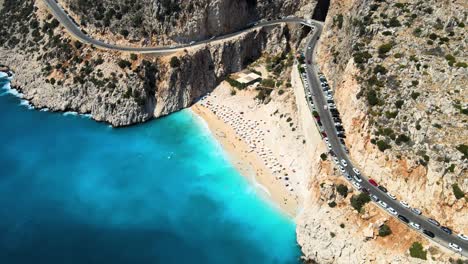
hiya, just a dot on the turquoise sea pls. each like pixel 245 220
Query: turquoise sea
pixel 76 191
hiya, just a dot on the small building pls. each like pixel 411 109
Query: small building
pixel 246 77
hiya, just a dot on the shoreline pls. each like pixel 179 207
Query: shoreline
pixel 248 163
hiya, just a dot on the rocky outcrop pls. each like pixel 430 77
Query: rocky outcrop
pixel 177 20
pixel 123 89
pixel 401 101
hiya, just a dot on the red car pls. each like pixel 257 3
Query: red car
pixel 371 181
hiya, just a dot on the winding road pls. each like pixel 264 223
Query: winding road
pixel 318 104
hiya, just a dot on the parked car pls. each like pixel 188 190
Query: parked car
pixel 365 190
pixel 356 171
pixel 406 205
pixel 357 178
pixel 329 146
pixel 341 169
pixel 391 196
pixel 392 211
pixel 344 163
pixel 382 203
pixel 455 247
pixel 358 186
pixel 371 181
pixel 403 218
pixel 383 189
pixel 416 211
pixel 347 176
pixel 433 221
pixel 462 237
pixel 335 159
pixel 374 198
pixel 446 230
pixel 428 233
pixel 415 225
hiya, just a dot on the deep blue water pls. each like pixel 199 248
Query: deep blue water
pixel 76 191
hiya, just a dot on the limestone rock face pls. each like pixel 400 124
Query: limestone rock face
pixel 181 20
pixel 58 73
pixel 398 71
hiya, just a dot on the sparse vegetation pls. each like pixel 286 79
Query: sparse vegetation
pixel 175 62
pixel 342 190
pixel 457 191
pixel 385 48
pixel 358 201
pixel 323 156
pixel 417 251
pixel 384 230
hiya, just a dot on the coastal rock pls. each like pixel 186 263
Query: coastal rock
pixel 117 88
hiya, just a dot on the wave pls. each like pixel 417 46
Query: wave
pixel 7 90
pixel 26 104
pixel 70 113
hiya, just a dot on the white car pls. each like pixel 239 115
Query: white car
pixel 391 196
pixel 309 47
pixel 341 169
pixel 326 140
pixel 357 185
pixel 415 225
pixel 455 247
pixel 347 176
pixel 357 178
pixel 462 237
pixel 344 163
pixel 356 171
pixel 329 146
pixel 406 205
pixel 382 203
pixel 392 211
pixel 335 159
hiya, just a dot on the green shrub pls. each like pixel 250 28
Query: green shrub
pixel 236 84
pixel 361 57
pixel 372 97
pixel 385 48
pixel 342 190
pixel 416 251
pixel 450 59
pixel 402 138
pixel 399 104
pixel 332 234
pixel 358 201
pixel 380 69
pixel 461 65
pixel 133 56
pixel 415 95
pixel 323 156
pixel 124 64
pixel 394 22
pixel 332 204
pixel 175 62
pixel 384 230
pixel 268 83
pixel 464 150
pixel 457 191
pixel 382 145
pixel 342 225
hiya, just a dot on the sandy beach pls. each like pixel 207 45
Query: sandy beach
pixel 263 141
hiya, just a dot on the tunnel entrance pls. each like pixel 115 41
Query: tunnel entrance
pixel 321 10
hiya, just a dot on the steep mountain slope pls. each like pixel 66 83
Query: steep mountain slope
pixel 56 72
pixel 398 70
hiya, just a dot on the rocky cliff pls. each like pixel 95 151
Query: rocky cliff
pixel 398 70
pixel 159 21
pixel 56 72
